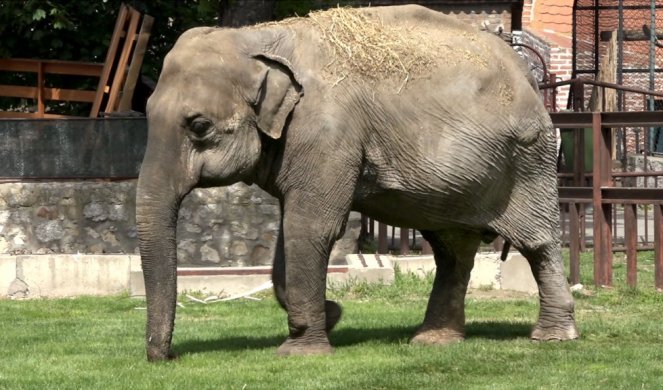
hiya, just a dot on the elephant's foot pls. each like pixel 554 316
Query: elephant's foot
pixel 155 355
pixel 333 314
pixel 437 336
pixel 296 346
pixel 555 333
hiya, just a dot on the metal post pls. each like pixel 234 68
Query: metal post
pixel 405 242
pixel 602 212
pixel 658 247
pixel 574 242
pixel 631 241
pixel 620 53
pixel 652 67
pixel 426 249
pixel 383 248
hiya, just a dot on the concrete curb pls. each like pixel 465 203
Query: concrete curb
pixel 52 276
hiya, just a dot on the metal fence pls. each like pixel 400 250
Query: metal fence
pixel 605 210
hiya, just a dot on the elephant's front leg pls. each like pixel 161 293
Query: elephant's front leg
pixel 310 228
pixel 333 310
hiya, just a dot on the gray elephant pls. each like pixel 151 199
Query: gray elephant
pixel 402 113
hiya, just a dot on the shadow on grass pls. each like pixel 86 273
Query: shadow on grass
pixel 496 330
pixel 226 344
pixel 345 337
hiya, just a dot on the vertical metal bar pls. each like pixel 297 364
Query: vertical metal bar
pixel 405 242
pixel 562 216
pixel 620 53
pixel 574 41
pixel 658 247
pixel 602 212
pixel 383 248
pixel 574 243
pixel 631 241
pixel 596 40
pixel 426 249
pixel 371 228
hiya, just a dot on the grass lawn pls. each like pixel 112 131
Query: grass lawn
pixel 97 343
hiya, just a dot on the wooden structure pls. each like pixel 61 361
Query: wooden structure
pixel 117 75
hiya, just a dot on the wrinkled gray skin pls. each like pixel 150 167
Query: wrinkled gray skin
pixel 448 155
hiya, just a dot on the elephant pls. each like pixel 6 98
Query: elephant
pixel 406 115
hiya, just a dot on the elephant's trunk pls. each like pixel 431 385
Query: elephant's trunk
pixel 157 205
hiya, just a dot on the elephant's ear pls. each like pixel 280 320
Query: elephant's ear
pixel 278 91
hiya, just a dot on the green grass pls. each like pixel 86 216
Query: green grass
pixel 97 343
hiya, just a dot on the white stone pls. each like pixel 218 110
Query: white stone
pixel 71 275
pixel 209 254
pixel 7 272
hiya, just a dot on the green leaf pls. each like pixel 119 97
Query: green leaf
pixel 39 14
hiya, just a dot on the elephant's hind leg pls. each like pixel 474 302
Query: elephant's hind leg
pixel 534 231
pixel 556 316
pixel 444 321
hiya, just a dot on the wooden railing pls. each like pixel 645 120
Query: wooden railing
pixel 117 75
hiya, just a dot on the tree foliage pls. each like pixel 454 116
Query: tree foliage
pixel 81 30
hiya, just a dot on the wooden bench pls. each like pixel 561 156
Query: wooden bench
pixel 117 75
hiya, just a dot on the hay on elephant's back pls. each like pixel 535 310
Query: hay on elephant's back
pixel 363 45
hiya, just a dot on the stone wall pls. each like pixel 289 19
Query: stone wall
pixel 227 226
pixel 638 163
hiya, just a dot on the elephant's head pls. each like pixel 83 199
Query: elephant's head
pixel 216 101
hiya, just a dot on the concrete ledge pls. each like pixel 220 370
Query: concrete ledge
pixel 35 276
pixel 488 272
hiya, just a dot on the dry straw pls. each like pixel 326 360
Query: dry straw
pixel 362 45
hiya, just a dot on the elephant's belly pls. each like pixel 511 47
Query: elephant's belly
pixel 431 202
pixel 431 211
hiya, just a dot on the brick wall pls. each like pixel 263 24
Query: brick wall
pixel 546 26
pixel 561 64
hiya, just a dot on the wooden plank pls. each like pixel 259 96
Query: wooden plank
pixel 631 241
pixel 70 95
pixel 110 60
pixel 28 65
pixel 18 115
pixel 136 63
pixel 75 95
pixel 90 69
pixel 19 91
pixel 19 65
pixel 123 62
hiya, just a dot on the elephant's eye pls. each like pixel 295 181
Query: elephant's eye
pixel 200 126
